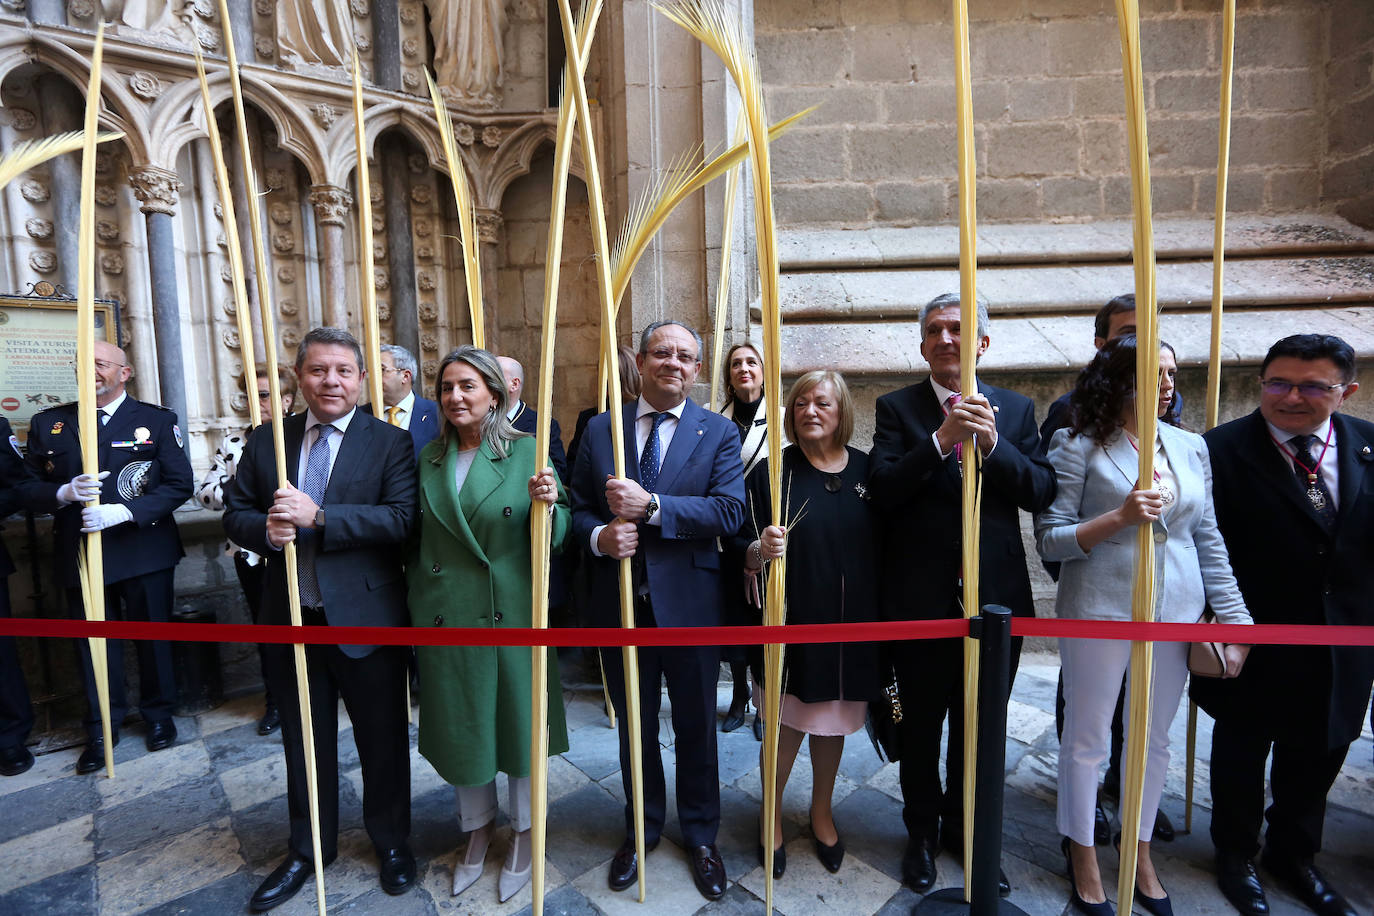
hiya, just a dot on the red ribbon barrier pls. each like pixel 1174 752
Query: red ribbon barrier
pixel 792 634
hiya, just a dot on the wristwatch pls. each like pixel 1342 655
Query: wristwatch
pixel 650 509
pixel 319 517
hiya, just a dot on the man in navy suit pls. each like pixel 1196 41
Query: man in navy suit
pixel 140 445
pixel 525 418
pixel 684 488
pixel 405 408
pixel 914 477
pixel 1293 486
pixel 350 502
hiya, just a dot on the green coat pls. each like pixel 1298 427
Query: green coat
pixel 470 567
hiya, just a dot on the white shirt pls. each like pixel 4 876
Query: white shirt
pixel 111 407
pixel 404 410
pixel 1330 468
pixel 312 433
pixel 943 394
pixel 644 425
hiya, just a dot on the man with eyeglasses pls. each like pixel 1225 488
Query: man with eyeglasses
pixel 403 407
pixel 140 445
pixel 683 488
pixel 1293 486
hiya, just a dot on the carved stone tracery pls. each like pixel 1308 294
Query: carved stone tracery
pixel 156 189
pixel 332 205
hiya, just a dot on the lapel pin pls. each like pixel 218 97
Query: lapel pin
pixel 701 432
pixel 56 428
pixel 1365 451
pixel 506 512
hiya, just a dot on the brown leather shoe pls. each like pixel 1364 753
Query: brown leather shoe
pixel 708 871
pixel 625 865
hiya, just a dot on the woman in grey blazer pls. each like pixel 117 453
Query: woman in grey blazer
pixel 1091 528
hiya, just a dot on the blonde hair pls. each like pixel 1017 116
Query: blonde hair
pixel 843 400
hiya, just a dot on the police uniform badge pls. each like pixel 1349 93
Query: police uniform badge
pixel 133 479
pixel 142 436
pixel 56 428
pixel 176 434
pixel 14 444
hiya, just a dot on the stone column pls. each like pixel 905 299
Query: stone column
pixel 48 12
pixel 156 189
pixel 386 44
pixel 489 225
pixel 62 113
pixel 241 27
pixel 332 205
pixel 400 242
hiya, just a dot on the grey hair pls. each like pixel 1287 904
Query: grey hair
pixel 649 332
pixel 951 300
pixel 333 336
pixel 497 431
pixel 403 358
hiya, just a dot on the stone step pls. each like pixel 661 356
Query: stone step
pixel 1259 282
pixel 1060 342
pixel 1031 243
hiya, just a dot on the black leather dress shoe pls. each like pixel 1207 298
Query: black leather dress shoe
pixel 270 721
pixel 734 718
pixel 918 865
pixel 1164 828
pixel 161 734
pixel 93 757
pixel 708 871
pixel 758 728
pixel 280 886
pixel 15 760
pixel 1308 885
pixel 397 870
pixel 1240 884
pixel 625 865
pixel 1003 885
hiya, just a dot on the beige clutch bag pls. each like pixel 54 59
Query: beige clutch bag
pixel 1206 659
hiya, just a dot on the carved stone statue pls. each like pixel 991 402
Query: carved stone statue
pixel 468 50
pixel 313 32
pixel 169 17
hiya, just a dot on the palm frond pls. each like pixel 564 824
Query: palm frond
pixel 21 157
pixel 467 219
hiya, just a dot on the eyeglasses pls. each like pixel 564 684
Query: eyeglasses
pixel 104 366
pixel 683 356
pixel 1277 387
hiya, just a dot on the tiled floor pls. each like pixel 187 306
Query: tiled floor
pixel 193 829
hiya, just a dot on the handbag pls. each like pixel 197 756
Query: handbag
pixel 1207 659
pixel 884 715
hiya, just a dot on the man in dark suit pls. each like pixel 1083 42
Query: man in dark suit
pixel 915 478
pixel 684 488
pixel 525 418
pixel 140 445
pixel 1293 485
pixel 20 488
pixel 403 407
pixel 350 505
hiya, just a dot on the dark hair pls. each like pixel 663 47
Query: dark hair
pixel 1315 346
pixel 336 336
pixel 725 371
pixel 1102 324
pixel 496 428
pixel 1104 386
pixel 286 379
pixel 649 332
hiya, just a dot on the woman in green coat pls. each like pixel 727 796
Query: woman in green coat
pixel 471 568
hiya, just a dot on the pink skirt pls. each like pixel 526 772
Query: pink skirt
pixel 826 718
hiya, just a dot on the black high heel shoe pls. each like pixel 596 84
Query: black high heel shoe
pixel 1158 906
pixel 1091 909
pixel 779 860
pixel 831 856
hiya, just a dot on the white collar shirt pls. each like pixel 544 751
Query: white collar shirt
pixel 1324 455
pixel 312 433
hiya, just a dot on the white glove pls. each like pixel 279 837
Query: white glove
pixel 98 518
pixel 82 488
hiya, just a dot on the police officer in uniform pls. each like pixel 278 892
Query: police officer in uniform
pixel 140 446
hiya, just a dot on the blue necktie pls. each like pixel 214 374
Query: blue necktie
pixel 649 459
pixel 314 484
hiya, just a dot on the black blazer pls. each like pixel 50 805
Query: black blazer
pixel 918 496
pixel 20 488
pixel 525 420
pixel 370 509
pixel 1291 570
pixel 141 447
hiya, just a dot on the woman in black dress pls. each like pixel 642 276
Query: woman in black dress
pixel 831 578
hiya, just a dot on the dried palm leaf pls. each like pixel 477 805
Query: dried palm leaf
pixel 23 156
pixel 467 218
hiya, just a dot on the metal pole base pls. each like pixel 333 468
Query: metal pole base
pixel 951 901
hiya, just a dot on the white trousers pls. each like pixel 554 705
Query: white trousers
pixel 477 804
pixel 1092 676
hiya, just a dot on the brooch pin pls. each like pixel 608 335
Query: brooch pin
pixel 56 428
pixel 861 490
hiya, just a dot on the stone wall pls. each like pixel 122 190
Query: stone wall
pixel 1049 107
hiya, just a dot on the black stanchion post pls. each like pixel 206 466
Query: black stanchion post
pixel 992 629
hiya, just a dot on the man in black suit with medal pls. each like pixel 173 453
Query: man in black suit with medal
pixel 914 479
pixel 350 504
pixel 526 419
pixel 1293 486
pixel 141 448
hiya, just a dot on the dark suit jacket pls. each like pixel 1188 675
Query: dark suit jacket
pixel 1291 570
pixel 919 496
pixel 370 509
pixel 526 420
pixel 424 423
pixel 141 448
pixel 701 490
pixel 20 488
